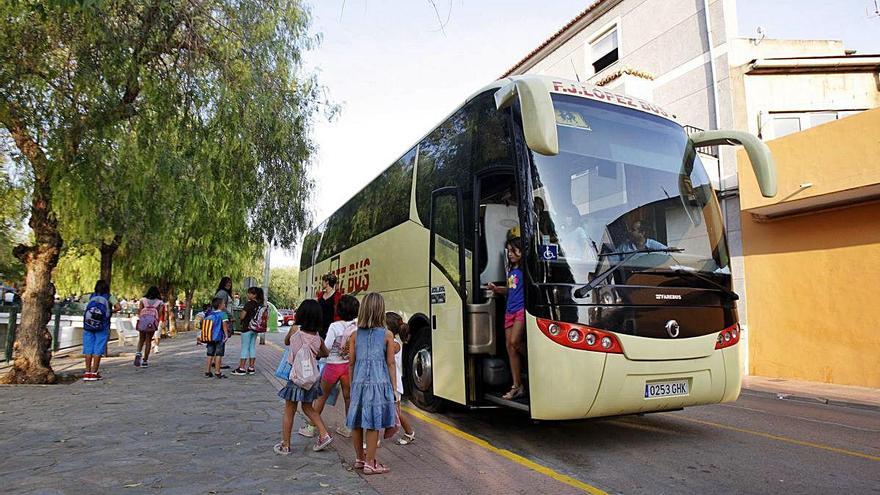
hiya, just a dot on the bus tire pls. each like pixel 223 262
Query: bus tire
pixel 419 373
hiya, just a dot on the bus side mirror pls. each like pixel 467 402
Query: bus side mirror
pixel 539 117
pixel 759 154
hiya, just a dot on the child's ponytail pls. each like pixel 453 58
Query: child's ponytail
pixel 397 326
pixel 404 332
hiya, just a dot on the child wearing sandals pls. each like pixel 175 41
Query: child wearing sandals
pixel 372 369
pixel 308 319
pixel 400 330
pixel 336 369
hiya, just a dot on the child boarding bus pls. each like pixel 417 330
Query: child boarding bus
pixel 629 307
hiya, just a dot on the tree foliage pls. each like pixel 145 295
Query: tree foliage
pixel 167 123
pixel 284 287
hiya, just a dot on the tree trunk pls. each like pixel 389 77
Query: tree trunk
pixel 33 342
pixel 107 252
pixel 172 317
pixel 189 309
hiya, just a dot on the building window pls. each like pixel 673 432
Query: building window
pixel 603 50
pixel 783 124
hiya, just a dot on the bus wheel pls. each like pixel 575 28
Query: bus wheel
pixel 420 374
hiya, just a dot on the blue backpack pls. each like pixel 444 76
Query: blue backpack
pixel 97 315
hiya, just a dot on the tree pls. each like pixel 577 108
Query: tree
pixel 12 211
pixel 73 79
pixel 284 287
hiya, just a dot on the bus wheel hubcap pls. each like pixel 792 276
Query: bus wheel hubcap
pixel 422 370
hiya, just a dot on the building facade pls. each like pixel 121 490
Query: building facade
pixel 686 56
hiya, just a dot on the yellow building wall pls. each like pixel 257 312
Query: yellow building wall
pixel 813 280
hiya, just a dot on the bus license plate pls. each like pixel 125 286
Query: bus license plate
pixel 666 389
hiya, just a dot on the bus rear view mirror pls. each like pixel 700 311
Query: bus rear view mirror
pixel 759 154
pixel 538 116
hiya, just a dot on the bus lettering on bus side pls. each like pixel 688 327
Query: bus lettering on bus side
pixel 358 276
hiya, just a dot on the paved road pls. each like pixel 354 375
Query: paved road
pixel 169 430
pixel 758 444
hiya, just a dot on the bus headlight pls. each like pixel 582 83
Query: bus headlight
pixel 606 342
pixel 591 339
pixel 554 329
pixel 574 335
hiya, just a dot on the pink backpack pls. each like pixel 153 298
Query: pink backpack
pixel 304 367
pixel 148 316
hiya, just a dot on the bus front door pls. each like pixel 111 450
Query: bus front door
pixel 447 294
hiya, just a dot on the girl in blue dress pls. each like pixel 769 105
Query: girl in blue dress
pixel 372 368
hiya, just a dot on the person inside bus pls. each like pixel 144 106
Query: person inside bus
pixel 573 238
pixel 637 239
pixel 545 223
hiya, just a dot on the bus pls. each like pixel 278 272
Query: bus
pixel 629 307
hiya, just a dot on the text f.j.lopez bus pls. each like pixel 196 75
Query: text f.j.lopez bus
pixel 629 306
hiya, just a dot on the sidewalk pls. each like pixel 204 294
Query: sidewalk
pixel 439 462
pixel 168 429
pixel 165 429
pixel 825 393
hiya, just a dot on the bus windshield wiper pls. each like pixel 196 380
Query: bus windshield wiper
pixel 598 279
pixel 679 271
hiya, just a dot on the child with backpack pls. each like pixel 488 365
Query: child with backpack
pixel 305 346
pixel 336 369
pixel 150 312
pixel 96 328
pixel 400 330
pixel 254 320
pixel 372 369
pixel 215 331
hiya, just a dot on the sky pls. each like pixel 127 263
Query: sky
pixel 395 72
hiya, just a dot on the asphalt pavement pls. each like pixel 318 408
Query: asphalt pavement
pixel 167 429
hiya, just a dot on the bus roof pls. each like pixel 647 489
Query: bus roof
pixel 554 85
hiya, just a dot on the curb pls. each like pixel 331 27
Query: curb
pixel 812 399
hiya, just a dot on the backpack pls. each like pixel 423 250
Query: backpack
pixel 304 368
pixel 97 315
pixel 207 333
pixel 260 322
pixel 148 318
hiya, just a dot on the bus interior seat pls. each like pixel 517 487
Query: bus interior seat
pixel 497 221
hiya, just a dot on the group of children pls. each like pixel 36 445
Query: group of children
pixel 363 354
pixel 96 327
pixel 215 324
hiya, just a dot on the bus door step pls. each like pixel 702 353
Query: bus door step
pixel 514 404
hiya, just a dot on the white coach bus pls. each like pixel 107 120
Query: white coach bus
pixel 629 306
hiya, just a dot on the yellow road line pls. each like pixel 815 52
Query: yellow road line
pixel 779 438
pixel 568 480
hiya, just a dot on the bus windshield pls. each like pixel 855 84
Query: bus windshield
pixel 626 189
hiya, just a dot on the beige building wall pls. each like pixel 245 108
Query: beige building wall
pixel 813 271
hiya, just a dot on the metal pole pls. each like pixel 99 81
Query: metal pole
pixel 265 282
pixel 56 329
pixel 10 332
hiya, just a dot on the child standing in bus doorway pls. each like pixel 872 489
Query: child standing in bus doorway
pixel 400 330
pixel 514 316
pixel 371 366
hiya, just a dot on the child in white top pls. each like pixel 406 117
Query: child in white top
pixel 336 367
pixel 401 334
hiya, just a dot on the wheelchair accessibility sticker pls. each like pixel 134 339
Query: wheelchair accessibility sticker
pixel 548 252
